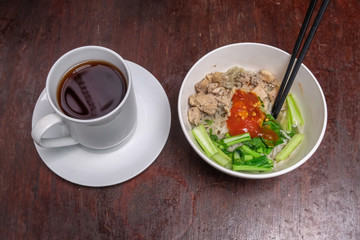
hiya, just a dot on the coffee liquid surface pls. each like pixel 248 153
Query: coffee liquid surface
pixel 91 90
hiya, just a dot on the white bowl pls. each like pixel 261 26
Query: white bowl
pixel 255 56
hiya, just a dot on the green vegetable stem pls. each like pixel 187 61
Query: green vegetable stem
pixel 210 149
pixel 290 147
pixel 243 158
pixel 204 140
pixel 229 141
pixel 295 116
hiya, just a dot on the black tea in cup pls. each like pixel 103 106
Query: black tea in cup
pixel 91 89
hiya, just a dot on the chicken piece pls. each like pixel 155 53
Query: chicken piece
pixel 272 94
pixel 244 78
pixel 192 100
pixel 219 78
pixel 260 92
pixel 240 79
pixel 267 76
pixel 224 100
pixel 220 91
pixel 210 76
pixel 255 80
pixel 212 87
pixel 194 115
pixel 202 86
pixel 205 102
pixel 267 104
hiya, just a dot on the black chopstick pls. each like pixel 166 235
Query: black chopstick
pixel 287 82
pixel 294 54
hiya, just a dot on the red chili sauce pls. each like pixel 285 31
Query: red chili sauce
pixel 246 116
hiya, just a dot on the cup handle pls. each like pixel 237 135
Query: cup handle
pixel 45 124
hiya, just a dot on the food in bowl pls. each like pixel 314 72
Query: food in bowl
pixel 256 56
pixel 231 120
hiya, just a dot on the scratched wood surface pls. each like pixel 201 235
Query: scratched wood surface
pixel 179 196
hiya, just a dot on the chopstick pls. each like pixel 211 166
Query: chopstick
pixel 288 81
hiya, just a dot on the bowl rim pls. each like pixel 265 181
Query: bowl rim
pixel 244 174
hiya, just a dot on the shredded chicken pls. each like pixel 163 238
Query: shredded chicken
pixel 205 102
pixel 202 85
pixel 260 91
pixel 194 115
pixel 267 76
pixel 215 91
pixel 219 78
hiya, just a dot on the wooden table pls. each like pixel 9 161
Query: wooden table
pixel 179 196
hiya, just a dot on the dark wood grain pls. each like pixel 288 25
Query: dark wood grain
pixel 179 196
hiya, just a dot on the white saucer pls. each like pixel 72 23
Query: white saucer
pixel 98 168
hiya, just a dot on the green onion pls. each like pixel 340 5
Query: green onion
pixel 250 151
pixel 229 141
pixel 209 147
pixel 261 163
pixel 221 158
pixel 290 147
pixel 208 122
pixel 236 158
pixel 286 121
pixel 248 157
pixel 294 112
pixel 250 168
pixel 204 140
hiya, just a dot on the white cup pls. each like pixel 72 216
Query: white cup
pixel 98 133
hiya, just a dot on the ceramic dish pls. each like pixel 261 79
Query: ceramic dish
pixel 99 168
pixel 255 56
